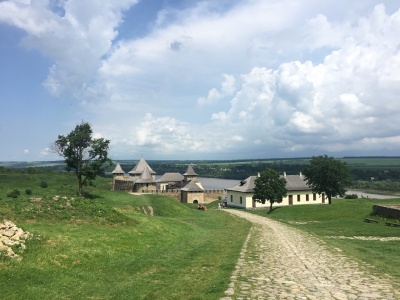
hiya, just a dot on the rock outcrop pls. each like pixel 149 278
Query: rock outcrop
pixel 12 236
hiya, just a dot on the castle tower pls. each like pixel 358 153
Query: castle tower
pixel 139 168
pixel 116 173
pixel 193 192
pixel 146 182
pixel 190 174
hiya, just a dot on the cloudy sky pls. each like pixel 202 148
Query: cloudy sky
pixel 201 79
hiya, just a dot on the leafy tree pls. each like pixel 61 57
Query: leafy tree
pixel 269 186
pixel 327 175
pixel 83 154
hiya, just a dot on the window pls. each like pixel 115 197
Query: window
pixel 314 196
pixel 298 198
pixel 241 200
pixel 307 198
pixel 231 198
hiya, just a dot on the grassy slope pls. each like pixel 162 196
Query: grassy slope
pixel 345 218
pixel 179 253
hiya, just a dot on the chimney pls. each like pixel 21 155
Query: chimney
pixel 258 175
pixel 284 174
pixel 301 175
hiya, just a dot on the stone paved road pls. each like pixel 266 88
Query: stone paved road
pixel 281 262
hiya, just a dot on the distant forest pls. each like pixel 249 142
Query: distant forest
pixel 380 173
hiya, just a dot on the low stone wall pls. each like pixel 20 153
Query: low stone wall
pixel 12 236
pixel 209 195
pixel 387 211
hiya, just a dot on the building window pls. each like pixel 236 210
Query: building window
pixel 298 198
pixel 241 200
pixel 307 198
pixel 314 196
pixel 231 198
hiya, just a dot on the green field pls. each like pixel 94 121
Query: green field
pixel 109 246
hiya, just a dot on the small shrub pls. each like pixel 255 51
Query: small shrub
pixel 351 196
pixel 44 184
pixel 14 194
pixel 28 192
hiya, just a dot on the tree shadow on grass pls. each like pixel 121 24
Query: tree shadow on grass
pixel 272 210
pixel 90 196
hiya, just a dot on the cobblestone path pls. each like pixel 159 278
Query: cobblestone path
pixel 281 262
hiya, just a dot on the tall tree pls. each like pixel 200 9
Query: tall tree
pixel 327 175
pixel 269 186
pixel 83 154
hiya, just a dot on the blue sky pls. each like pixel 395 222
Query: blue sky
pixel 180 79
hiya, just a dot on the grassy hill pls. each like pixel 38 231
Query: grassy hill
pixel 112 245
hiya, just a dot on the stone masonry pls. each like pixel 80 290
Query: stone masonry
pixel 282 262
pixel 12 236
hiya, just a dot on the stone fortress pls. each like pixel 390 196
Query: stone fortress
pixel 142 179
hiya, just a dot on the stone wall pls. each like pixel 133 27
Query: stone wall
pixel 123 185
pixel 387 211
pixel 12 236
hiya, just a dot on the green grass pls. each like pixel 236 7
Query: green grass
pixel 107 246
pixel 345 218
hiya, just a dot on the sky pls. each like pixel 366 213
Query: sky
pixel 201 79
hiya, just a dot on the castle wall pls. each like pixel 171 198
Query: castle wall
pixel 387 211
pixel 122 185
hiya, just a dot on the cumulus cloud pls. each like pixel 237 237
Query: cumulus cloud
pixel 345 102
pixel 214 95
pixel 74 34
pixel 297 78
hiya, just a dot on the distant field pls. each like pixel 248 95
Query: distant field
pixel 361 168
pixel 371 162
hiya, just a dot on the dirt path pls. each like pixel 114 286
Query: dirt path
pixel 281 262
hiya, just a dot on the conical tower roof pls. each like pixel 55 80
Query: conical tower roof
pixel 118 170
pixel 140 167
pixel 190 171
pixel 192 187
pixel 146 177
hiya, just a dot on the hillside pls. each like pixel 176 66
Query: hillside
pixel 113 244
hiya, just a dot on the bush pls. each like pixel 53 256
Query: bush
pixel 351 196
pixel 28 192
pixel 14 194
pixel 44 184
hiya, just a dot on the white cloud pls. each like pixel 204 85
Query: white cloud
pixel 336 105
pixel 76 41
pixel 228 87
pixel 46 151
pixel 301 78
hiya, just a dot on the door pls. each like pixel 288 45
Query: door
pixel 323 198
pixel 290 199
